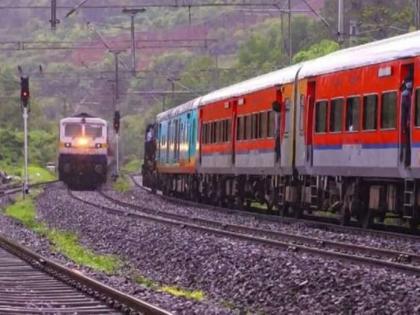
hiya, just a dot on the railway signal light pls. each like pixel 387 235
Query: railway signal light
pixel 24 91
pixel 117 121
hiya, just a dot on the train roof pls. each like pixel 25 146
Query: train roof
pixel 261 82
pixel 403 46
pixel 175 111
pixel 79 117
pixel 393 48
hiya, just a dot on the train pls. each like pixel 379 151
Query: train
pixel 83 154
pixel 338 133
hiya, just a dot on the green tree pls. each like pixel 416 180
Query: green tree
pixel 317 50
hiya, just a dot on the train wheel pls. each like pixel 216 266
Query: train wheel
pixel 344 215
pixel 297 212
pixel 365 218
pixel 271 200
pixel 284 210
pixel 413 224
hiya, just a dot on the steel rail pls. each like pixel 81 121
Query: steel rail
pixel 16 188
pixel 314 221
pixel 242 232
pixel 114 298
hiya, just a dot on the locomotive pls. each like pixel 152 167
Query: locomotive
pixel 338 133
pixel 83 150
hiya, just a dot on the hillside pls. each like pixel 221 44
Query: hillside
pixel 230 44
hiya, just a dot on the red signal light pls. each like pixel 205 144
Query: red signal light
pixel 24 92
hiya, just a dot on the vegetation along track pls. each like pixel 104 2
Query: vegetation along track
pixel 31 284
pixel 351 252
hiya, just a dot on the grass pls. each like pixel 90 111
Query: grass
pixel 36 173
pixel 67 243
pixel 132 166
pixel 39 174
pixel 122 184
pixel 196 295
pixel 64 242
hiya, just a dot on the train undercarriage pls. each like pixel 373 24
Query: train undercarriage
pixel 82 171
pixel 349 199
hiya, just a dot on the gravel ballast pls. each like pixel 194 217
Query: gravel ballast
pixel 141 197
pixel 235 275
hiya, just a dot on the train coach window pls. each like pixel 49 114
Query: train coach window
pixel 389 110
pixel 248 128
pixel 214 132
pixel 321 116
pixel 271 123
pixel 336 114
pixel 229 130
pixel 72 130
pixel 203 133
pixel 240 128
pixel 417 109
pixel 264 123
pixel 226 130
pixel 254 126
pixel 352 113
pixel 370 107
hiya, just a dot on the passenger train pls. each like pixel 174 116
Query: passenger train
pixel 339 133
pixel 83 151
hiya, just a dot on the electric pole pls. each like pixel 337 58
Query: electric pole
pixel 340 29
pixel 54 21
pixel 116 53
pixel 133 13
pixel 417 14
pixel 289 32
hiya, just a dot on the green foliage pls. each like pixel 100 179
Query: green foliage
pixel 122 184
pixel 317 50
pixel 11 147
pixel 196 295
pixel 39 174
pixel 133 129
pixel 68 244
pixel 132 166
pixel 65 242
pixel 375 19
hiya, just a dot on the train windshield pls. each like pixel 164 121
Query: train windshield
pixel 93 130
pixel 72 130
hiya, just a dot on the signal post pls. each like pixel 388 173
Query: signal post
pixel 24 98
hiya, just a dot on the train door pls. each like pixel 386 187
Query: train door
pixel 192 135
pixel 234 104
pixel 278 109
pixel 309 118
pixel 406 76
pixel 200 135
pixel 168 140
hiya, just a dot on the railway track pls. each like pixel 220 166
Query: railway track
pixel 310 221
pixel 361 254
pixel 17 188
pixel 31 284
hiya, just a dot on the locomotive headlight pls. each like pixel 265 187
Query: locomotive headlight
pixel 82 141
pixel 67 145
pixel 98 145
